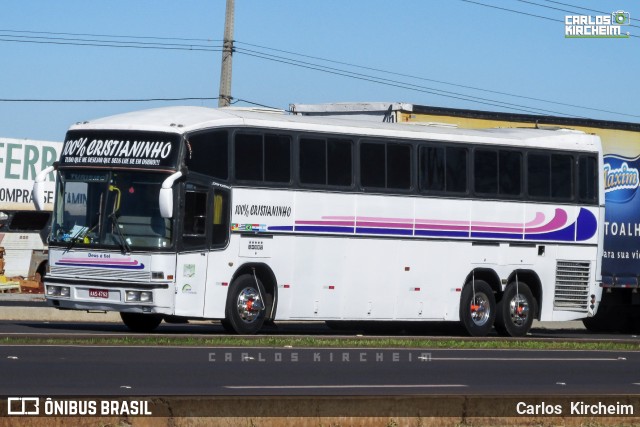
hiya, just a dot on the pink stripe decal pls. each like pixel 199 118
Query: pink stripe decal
pixel 339 218
pixel 536 225
pixel 442 227
pixel 340 223
pixel 441 222
pixel 384 224
pixel 558 221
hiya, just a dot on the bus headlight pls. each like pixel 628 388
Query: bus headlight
pixel 133 296
pixel 53 291
pixel 59 291
pixel 139 296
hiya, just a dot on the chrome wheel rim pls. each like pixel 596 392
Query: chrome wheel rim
pixel 480 309
pixel 519 310
pixel 249 304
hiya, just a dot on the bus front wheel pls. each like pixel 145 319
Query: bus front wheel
pixel 245 308
pixel 139 322
pixel 515 311
pixel 477 308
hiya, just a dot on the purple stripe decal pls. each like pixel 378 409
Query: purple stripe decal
pixel 496 236
pixel 556 228
pixel 389 231
pixel 280 228
pixel 119 267
pixel 323 229
pixel 442 233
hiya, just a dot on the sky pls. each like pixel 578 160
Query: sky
pixel 444 53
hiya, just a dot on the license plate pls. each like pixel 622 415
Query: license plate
pixel 98 293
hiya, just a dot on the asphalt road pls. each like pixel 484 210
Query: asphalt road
pixel 131 371
pixel 561 330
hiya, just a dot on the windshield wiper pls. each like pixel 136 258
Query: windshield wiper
pixel 116 223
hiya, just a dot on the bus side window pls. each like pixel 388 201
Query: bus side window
pixel 208 154
pixel 588 179
pixel 486 171
pixel 561 176
pixel 220 229
pixel 539 175
pixel 195 214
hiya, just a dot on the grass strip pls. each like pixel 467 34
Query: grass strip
pixel 315 342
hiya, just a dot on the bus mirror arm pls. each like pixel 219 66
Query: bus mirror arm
pixel 38 187
pixel 166 195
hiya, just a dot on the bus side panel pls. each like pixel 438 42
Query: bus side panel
pixel 322 264
pixel 441 256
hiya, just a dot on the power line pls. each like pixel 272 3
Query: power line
pixel 236 100
pixel 565 10
pixel 427 89
pixel 21 37
pixel 511 10
pixel 108 44
pixel 435 81
pixel 111 35
pixel 524 13
pixel 583 8
pixel 108 99
pixel 317 67
pixel 401 85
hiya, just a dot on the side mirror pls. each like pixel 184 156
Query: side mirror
pixel 39 187
pixel 165 199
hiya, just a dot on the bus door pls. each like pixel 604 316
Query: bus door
pixel 205 214
pixel 191 263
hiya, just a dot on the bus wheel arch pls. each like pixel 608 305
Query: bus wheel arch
pixel 269 282
pixel 250 283
pixel 489 276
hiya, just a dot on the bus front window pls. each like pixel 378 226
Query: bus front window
pixel 106 209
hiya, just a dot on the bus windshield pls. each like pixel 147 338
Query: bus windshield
pixel 110 209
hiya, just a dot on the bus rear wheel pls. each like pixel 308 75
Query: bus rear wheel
pixel 245 309
pixel 515 311
pixel 477 308
pixel 139 322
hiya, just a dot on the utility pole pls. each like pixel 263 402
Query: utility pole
pixel 224 99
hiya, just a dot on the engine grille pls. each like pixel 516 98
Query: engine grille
pixel 99 273
pixel 572 285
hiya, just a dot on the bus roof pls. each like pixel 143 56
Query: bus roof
pixel 183 120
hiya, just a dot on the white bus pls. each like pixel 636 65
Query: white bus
pixel 23 231
pixel 246 216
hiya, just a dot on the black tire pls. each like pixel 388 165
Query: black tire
pixel 515 311
pixel 139 322
pixel 227 326
pixel 477 316
pixel 245 310
pixel 176 320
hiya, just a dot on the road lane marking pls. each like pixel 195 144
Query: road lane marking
pixel 347 386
